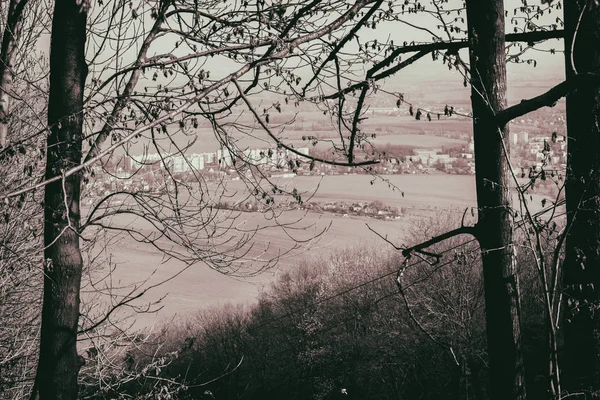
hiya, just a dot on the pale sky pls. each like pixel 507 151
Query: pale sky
pixel 424 70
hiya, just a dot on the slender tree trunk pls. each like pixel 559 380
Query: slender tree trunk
pixel 495 225
pixel 59 362
pixel 581 270
pixel 8 55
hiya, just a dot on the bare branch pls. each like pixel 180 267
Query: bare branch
pixel 451 47
pixel 547 99
pixel 463 230
pixel 133 80
pixel 379 76
pixel 333 54
pixel 291 149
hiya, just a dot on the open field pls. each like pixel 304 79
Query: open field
pixel 388 130
pixel 417 141
pixel 187 289
pixel 404 123
pixel 200 287
pixel 421 192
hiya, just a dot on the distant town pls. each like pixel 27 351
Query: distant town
pixel 142 172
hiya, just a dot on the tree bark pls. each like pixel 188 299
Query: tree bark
pixel 59 362
pixel 581 269
pixel 495 224
pixel 8 55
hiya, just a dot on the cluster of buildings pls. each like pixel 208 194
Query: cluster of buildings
pixel 538 149
pixel 217 160
pixel 529 152
pixel 221 161
pixel 431 157
pixel 457 161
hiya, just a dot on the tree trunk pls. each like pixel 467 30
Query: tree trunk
pixel 59 363
pixel 581 270
pixel 495 225
pixel 8 55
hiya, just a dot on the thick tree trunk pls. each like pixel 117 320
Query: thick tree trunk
pixel 59 363
pixel 495 225
pixel 8 55
pixel 581 270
